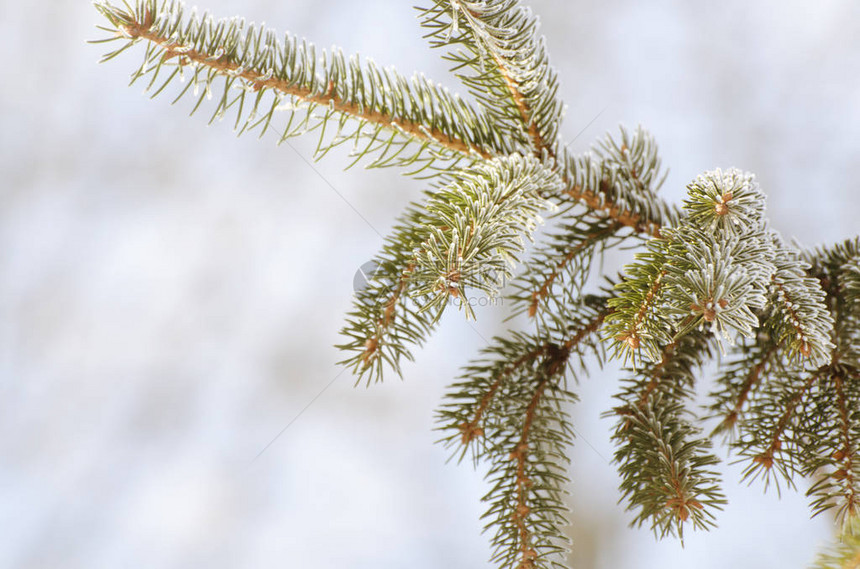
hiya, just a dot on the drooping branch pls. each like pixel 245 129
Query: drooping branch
pixel 765 458
pixel 523 482
pixel 472 428
pixel 663 460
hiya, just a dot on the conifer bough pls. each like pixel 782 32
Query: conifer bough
pixel 711 277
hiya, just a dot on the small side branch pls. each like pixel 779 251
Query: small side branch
pixel 766 458
pixel 472 429
pixel 544 288
pixel 523 482
pixel 751 381
pixel 371 347
pixel 846 455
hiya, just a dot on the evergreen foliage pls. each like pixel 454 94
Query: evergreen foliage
pixel 843 554
pixel 711 279
pixel 465 237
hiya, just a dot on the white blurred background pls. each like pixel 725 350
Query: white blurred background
pixel 170 295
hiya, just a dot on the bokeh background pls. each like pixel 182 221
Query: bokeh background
pixel 170 295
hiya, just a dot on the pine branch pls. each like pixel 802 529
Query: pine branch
pixel 835 429
pixel 499 56
pixel 801 321
pixel 790 390
pixel 508 411
pixel 398 121
pixel 742 376
pixel 558 268
pixel 663 461
pixel 466 237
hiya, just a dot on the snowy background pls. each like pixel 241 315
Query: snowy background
pixel 169 294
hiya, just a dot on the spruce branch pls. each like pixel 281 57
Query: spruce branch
pixel 636 323
pixel 743 372
pixel 473 397
pixel 802 417
pixel 560 266
pixel 771 436
pixel 556 272
pixel 509 410
pixel 664 462
pixel 710 274
pixel 499 56
pixel 398 121
pixel 836 268
pixel 801 321
pixel 466 237
pixel 394 121
pixel 483 219
pixel 609 197
pixel 717 269
pixel 634 162
pixel 834 430
pixel 619 180
pixel 851 280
